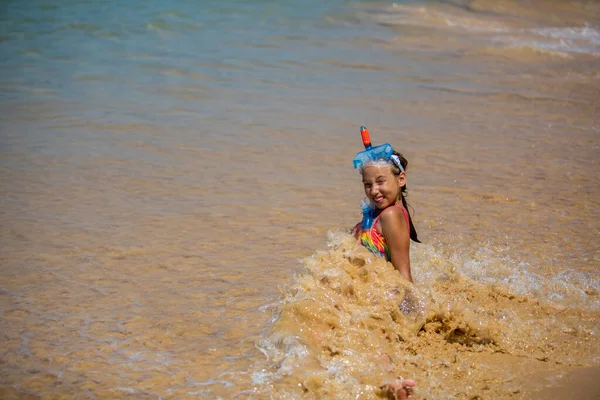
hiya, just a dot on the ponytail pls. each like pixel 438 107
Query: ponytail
pixel 396 171
pixel 413 231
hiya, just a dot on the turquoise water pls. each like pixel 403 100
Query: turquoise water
pixel 164 166
pixel 142 62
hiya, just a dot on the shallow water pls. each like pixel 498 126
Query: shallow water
pixel 164 168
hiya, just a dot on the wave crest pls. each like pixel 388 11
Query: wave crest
pixel 350 321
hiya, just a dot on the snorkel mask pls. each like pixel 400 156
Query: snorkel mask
pixel 374 155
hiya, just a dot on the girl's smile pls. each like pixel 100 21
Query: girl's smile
pixel 382 187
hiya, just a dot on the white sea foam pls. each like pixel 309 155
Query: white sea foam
pixel 570 39
pixel 585 33
pixel 563 40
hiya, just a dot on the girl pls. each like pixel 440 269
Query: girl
pixel 383 172
pixel 389 235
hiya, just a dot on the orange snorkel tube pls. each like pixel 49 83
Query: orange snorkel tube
pixel 371 153
pixel 366 137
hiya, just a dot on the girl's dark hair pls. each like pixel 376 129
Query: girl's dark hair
pixel 403 194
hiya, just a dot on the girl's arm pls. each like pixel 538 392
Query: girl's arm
pixel 356 230
pixel 395 231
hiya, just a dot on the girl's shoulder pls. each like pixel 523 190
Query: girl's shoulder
pixel 393 212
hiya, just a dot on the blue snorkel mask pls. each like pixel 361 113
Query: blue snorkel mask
pixel 371 155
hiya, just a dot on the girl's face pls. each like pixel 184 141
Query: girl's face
pixel 382 187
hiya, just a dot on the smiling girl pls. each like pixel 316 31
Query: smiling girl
pixel 389 234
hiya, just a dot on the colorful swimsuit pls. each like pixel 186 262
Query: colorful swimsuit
pixel 373 240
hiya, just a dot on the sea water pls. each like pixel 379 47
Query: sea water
pixel 177 188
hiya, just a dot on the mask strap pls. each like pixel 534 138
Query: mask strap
pixel 396 160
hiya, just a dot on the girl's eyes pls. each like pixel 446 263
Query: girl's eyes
pixel 369 185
